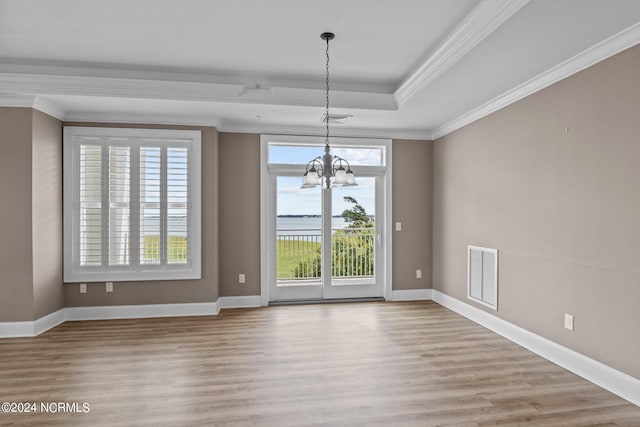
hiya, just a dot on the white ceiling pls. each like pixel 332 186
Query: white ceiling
pixel 402 68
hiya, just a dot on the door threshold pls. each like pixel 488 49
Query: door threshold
pixel 324 301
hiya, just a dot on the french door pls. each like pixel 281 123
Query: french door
pixel 326 244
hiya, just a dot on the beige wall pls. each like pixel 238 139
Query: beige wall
pixel 412 206
pixel 46 214
pixel 16 265
pixel 553 182
pixel 231 221
pixel 239 213
pixel 170 291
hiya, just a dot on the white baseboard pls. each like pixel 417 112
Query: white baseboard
pixel 606 377
pixel 43 324
pixel 16 329
pixel 240 302
pixel 411 295
pixel 141 311
pixel 49 321
pixel 31 328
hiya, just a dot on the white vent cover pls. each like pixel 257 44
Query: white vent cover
pixel 482 275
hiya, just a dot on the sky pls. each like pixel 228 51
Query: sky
pixel 292 200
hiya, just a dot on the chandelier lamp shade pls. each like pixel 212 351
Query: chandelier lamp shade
pixel 328 170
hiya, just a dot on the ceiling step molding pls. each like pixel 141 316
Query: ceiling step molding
pixel 601 51
pixel 48 84
pixel 116 87
pixel 484 19
pixel 339 98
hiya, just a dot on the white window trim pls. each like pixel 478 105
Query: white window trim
pixel 267 198
pixel 71 222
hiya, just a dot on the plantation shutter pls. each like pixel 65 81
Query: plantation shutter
pixel 150 198
pixel 90 205
pixel 119 225
pixel 129 197
pixel 178 205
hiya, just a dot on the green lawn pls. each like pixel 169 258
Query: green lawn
pixel 176 249
pixel 289 253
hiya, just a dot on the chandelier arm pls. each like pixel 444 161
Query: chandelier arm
pixel 338 159
pixel 312 162
pixel 317 161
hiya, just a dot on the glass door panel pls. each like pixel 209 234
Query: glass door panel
pixel 298 240
pixel 353 233
pixel 354 241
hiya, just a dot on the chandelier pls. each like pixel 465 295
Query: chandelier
pixel 328 170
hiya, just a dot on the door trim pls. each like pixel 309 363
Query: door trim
pixel 268 200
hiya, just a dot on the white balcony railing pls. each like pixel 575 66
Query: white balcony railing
pixel 299 254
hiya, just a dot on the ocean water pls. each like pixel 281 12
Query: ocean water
pixel 311 225
pixel 286 226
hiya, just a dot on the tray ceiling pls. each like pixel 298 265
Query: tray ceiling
pixel 402 68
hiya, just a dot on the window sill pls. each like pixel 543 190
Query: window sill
pixel 128 276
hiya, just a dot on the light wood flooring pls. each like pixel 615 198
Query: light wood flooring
pixel 368 364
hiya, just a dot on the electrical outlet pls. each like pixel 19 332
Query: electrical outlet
pixel 398 226
pixel 109 287
pixel 418 274
pixel 83 288
pixel 568 322
pixel 241 278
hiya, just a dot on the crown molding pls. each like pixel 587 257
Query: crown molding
pixel 49 108
pixel 284 129
pixel 35 102
pixel 615 44
pixel 25 101
pixel 485 18
pixel 245 126
pixel 150 119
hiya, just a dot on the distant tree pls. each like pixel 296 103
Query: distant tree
pixel 352 249
pixel 356 217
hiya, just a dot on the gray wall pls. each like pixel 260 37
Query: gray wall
pixel 16 262
pixel 412 206
pixel 46 215
pixel 239 213
pixel 553 182
pixel 170 291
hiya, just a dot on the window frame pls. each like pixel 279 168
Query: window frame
pixel 74 137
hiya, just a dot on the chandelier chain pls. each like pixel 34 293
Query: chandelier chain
pixel 327 95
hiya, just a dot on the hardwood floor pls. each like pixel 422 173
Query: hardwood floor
pixel 363 364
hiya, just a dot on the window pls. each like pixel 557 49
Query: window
pixel 131 204
pixel 283 150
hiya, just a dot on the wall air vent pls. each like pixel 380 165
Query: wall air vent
pixel 482 276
